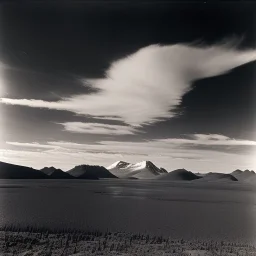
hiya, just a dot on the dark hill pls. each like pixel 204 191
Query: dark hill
pixel 244 175
pixel 218 177
pixel 12 171
pixel 90 172
pixel 54 173
pixel 179 175
pixel 236 172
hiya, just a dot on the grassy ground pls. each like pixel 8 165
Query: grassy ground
pixel 29 241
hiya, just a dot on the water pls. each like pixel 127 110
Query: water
pixel 179 210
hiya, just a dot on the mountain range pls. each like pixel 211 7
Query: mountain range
pixel 54 173
pixel 244 175
pixel 145 170
pixel 211 176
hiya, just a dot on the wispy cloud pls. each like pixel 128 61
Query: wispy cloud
pixel 155 146
pixel 3 66
pixel 148 85
pixel 97 128
pixel 210 139
pixel 30 145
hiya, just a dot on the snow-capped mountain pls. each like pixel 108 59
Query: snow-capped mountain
pixel 142 170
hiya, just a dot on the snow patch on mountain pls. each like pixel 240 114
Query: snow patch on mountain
pixel 141 170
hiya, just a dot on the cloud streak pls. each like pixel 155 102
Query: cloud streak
pixel 210 140
pixel 96 128
pixel 148 85
pixel 170 146
pixel 30 145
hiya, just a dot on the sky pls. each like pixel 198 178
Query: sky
pixel 95 83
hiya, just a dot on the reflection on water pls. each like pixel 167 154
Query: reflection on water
pixel 219 211
pixel 137 193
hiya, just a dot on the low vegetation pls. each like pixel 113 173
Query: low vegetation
pixel 39 241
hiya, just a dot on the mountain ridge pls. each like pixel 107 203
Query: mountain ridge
pixel 214 176
pixel 244 175
pixel 179 175
pixel 13 171
pixel 121 169
pixel 54 173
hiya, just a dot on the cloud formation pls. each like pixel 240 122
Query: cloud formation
pixel 97 128
pixel 149 84
pixel 30 145
pixel 159 146
pixel 3 66
pixel 210 139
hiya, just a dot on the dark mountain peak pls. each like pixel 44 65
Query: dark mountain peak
pixel 89 166
pixel 150 166
pixel 49 169
pixel 219 176
pixel 237 171
pixel 90 172
pixel 249 172
pixel 3 164
pixel 179 175
pixel 54 173
pixel 181 170
pixel 13 171
pixel 163 170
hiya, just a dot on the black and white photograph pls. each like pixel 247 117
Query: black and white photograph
pixel 128 128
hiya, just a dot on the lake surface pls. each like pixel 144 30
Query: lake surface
pixel 180 210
